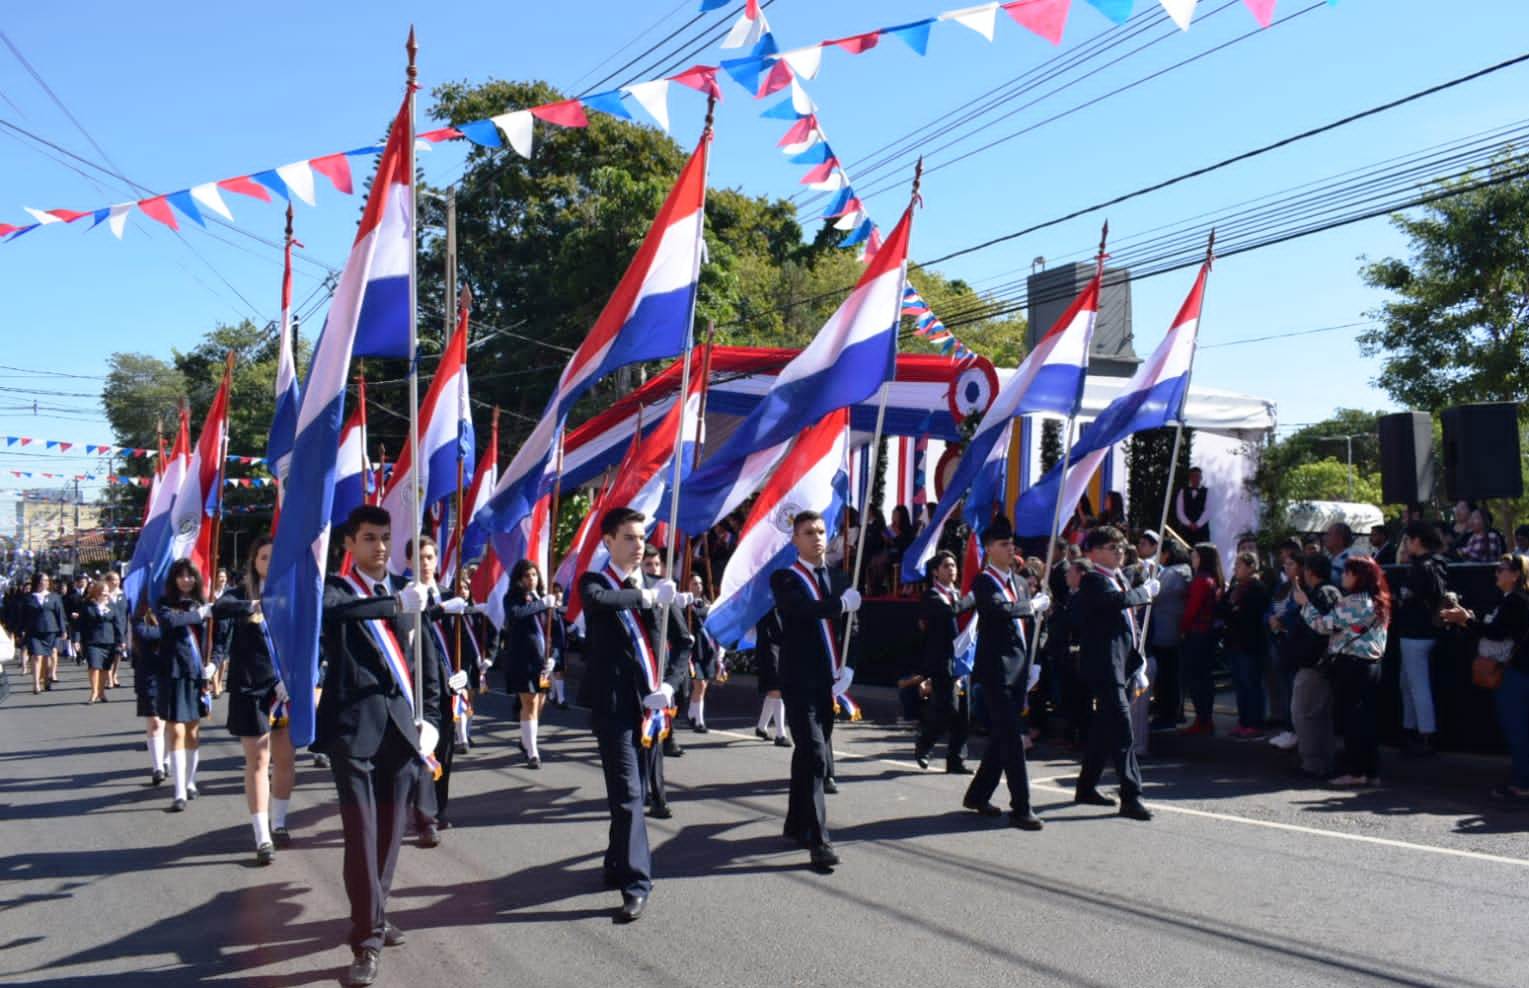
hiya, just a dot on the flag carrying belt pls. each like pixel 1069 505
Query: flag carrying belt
pixel 830 642
pixel 656 724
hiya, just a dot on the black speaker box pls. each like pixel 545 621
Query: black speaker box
pixel 1482 457
pixel 1406 458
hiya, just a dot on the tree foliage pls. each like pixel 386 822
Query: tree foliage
pixel 1300 467
pixel 1457 326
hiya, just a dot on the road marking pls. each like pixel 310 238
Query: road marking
pixel 1050 783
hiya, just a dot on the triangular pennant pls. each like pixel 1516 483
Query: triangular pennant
pixel 482 133
pixel 702 78
pixel 1118 11
pixel 336 168
pixel 800 101
pixel 517 128
pixel 1182 11
pixel 158 209
pixel 805 62
pixel 851 203
pixel 50 443
pixel 274 182
pixel 857 43
pixel 439 135
pixel 653 97
pixel 1263 11
pixel 784 110
pixel 611 101
pixel 182 201
pixel 568 113
pixel 815 155
pixel 849 220
pixel 63 447
pixel 836 180
pixel 839 204
pixel 980 19
pixel 42 216
pixel 821 172
pixel 67 215
pixel 745 71
pixel 116 221
pixel 745 33
pixel 298 177
pixel 779 78
pixel 914 35
pixel 1046 18
pixel 800 131
pixel 245 187
pixel 207 196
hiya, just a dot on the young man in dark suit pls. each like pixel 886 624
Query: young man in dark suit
pixel 810 598
pixel 679 646
pixel 1003 670
pixel 625 690
pixel 369 726
pixel 947 711
pixel 1109 656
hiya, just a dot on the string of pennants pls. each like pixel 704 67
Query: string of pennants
pixel 928 325
pixel 106 449
pixel 124 479
pixel 31 474
pixel 765 70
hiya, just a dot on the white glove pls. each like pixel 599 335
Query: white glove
pixel 454 606
pixel 428 736
pixel 968 600
pixel 548 666
pixel 1153 585
pixel 649 599
pixel 548 600
pixel 683 600
pixel 411 599
pixel 457 681
pixel 843 680
pixel 1040 604
pixel 659 700
pixel 205 611
pixel 1140 682
pixel 484 665
pixel 850 600
pixel 665 591
pixel 209 670
pixel 1035 676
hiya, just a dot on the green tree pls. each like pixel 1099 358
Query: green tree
pixel 1457 326
pixel 1328 480
pixel 1299 467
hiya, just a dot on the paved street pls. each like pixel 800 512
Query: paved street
pixel 1246 877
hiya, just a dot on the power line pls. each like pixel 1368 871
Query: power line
pixel 634 40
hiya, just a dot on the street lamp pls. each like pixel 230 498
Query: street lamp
pixel 1350 441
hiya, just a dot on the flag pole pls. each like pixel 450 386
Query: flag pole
pixel 1072 424
pixel 700 442
pixel 416 640
pixel 881 415
pixel 1178 437
pixel 217 519
pixel 557 495
pixel 465 300
pixel 674 481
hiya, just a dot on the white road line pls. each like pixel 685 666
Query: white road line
pixel 1050 783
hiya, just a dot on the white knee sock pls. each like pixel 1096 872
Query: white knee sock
pixel 195 759
pixel 766 711
pixel 178 771
pixel 697 712
pixel 157 750
pixel 461 729
pixel 279 812
pixel 262 828
pixel 528 737
pixel 780 718
pixel 557 690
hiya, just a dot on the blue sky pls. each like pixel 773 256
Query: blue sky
pixel 181 93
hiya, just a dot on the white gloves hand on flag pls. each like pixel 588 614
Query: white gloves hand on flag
pixel 842 681
pixel 1153 585
pixel 850 600
pixel 205 611
pixel 1040 604
pixel 968 600
pixel 454 606
pixel 209 670
pixel 665 591
pixel 548 600
pixel 1035 676
pixel 683 600
pixel 457 681
pixel 660 699
pixel 1139 682
pixel 411 599
pixel 428 736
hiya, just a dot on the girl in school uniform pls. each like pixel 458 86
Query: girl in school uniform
pixel 183 696
pixel 45 626
pixel 102 633
pixel 525 649
pixel 146 666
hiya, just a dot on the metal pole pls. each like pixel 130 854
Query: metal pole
pixel 461 327
pixel 1350 440
pixel 416 640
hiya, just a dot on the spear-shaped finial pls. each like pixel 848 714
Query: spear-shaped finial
pixel 412 73
pixel 1210 249
pixel 289 221
pixel 711 111
pixel 1104 235
pixel 918 179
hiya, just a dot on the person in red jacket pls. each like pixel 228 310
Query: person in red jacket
pixel 1198 628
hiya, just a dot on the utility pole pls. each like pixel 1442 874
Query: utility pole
pixel 1349 440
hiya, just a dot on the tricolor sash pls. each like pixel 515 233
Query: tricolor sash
pixel 842 701
pixel 1118 580
pixel 383 636
pixel 655 724
pixel 964 648
pixel 1006 587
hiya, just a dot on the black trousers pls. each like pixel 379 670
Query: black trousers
pixel 810 717
pixel 1005 752
pixel 946 713
pixel 1356 686
pixel 1168 691
pixel 623 759
pixel 432 796
pixel 653 764
pixel 1109 739
pixel 374 805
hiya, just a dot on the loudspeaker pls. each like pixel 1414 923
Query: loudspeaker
pixel 1406 458
pixel 1050 292
pixel 1482 457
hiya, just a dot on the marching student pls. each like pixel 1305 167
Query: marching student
pixel 811 598
pixel 369 726
pixel 124 625
pixel 433 794
pixel 559 647
pixel 258 706
pixel 45 625
pixel 706 655
pixel 628 699
pixel 76 597
pixel 523 652
pixel 181 692
pixel 678 648
pixel 222 636
pixel 102 633
pixel 146 666
pixel 767 634
pixel 948 713
pixel 1004 671
pixel 1110 657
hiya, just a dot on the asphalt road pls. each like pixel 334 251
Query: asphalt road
pixel 1246 877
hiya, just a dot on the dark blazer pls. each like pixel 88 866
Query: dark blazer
pixel 613 687
pixel 251 667
pixel 45 618
pixel 361 695
pixel 1003 656
pixel 941 626
pixel 1106 651
pixel 96 628
pixel 522 642
pixel 75 606
pixel 681 643
pixel 805 663
pixel 181 646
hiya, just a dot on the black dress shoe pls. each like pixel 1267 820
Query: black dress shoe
pixel 177 806
pixel 631 908
pixel 922 758
pixel 672 748
pixel 1133 810
pixel 265 853
pixel 157 778
pixel 830 786
pixel 660 811
pixel 444 824
pixel 1092 797
pixel 429 836
pixel 761 734
pixel 392 936
pixel 322 761
pixel 782 742
pixel 459 748
pixel 701 729
pixel 982 809
pixel 363 970
pixel 534 763
pixel 957 768
pixel 824 856
pixel 1026 820
pixel 281 837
